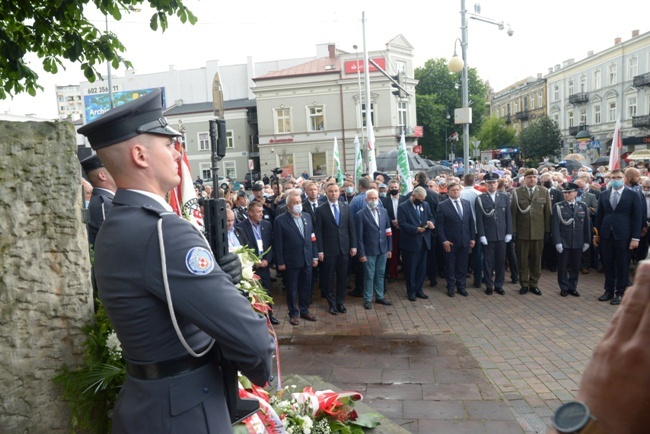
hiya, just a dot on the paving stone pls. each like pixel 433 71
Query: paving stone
pixel 401 376
pixel 394 391
pixel 434 409
pixel 502 427
pixel 430 426
pixel 488 410
pixel 448 392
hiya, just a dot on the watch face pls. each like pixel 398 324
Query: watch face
pixel 571 417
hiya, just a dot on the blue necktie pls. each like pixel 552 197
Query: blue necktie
pixel 337 215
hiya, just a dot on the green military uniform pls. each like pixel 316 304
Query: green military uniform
pixel 531 221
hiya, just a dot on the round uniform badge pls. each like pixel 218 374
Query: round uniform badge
pixel 199 261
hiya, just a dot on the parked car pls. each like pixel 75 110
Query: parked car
pixel 247 178
pixel 223 182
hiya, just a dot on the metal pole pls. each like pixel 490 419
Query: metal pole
pixel 363 133
pixel 465 84
pixel 108 67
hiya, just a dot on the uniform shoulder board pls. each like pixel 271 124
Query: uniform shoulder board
pixel 156 211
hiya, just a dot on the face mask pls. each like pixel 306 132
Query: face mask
pixel 555 184
pixel 349 190
pixel 382 194
pixel 442 182
pixel 646 193
pixel 297 209
pixel 616 183
pixel 394 192
pixel 417 202
pixel 547 184
pixel 372 204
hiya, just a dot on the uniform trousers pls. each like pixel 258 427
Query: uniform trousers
pixel 568 268
pixel 297 282
pixel 616 264
pixel 529 259
pixel 415 264
pixel 494 264
pixel 477 261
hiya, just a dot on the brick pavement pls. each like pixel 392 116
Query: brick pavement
pixel 485 353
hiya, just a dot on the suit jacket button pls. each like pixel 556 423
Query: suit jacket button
pixel 205 389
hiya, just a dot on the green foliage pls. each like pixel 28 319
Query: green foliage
pixel 91 389
pixel 540 139
pixel 438 93
pixel 495 133
pixel 57 30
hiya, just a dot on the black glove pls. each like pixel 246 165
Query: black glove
pixel 514 236
pixel 231 265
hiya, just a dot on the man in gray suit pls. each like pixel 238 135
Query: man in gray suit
pixel 150 262
pixel 494 230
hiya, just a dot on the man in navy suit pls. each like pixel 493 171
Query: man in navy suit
pixel 259 237
pixel 457 233
pixel 618 220
pixel 375 245
pixel 294 242
pixel 337 242
pixel 416 223
pixel 391 203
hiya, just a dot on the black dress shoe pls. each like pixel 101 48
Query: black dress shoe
pixel 463 292
pixel 355 294
pixel 574 293
pixel 488 291
pixel 535 290
pixel 383 301
pixel 273 319
pixel 523 290
pixel 341 308
pixel 411 297
pixel 333 310
pixel 564 293
pixel 293 321
pixel 499 291
pixel 606 296
pixel 616 300
pixel 308 317
pixel 367 305
pixel 422 295
pixel 451 293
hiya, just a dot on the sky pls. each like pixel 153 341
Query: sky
pixel 545 34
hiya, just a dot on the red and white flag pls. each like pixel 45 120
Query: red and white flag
pixel 183 198
pixel 617 144
pixel 453 137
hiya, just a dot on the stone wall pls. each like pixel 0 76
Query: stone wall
pixel 45 289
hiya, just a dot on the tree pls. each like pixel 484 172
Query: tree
pixel 57 30
pixel 495 133
pixel 540 139
pixel 438 93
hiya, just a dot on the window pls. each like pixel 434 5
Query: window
pixel 571 87
pixel 315 118
pixel 400 65
pixel 556 118
pixel 631 106
pixel 204 141
pixel 597 84
pixel 611 74
pixel 539 99
pixel 583 83
pixel 556 92
pixel 632 67
pixel 532 101
pixel 372 113
pixel 611 111
pixel 282 118
pixel 516 105
pixel 401 113
pixel 230 140
pixel 570 116
pixel 583 116
pixel 205 170
pixel 596 114
pixel 230 170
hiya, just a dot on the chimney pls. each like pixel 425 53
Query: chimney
pixel 617 41
pixel 331 49
pixel 635 33
pixel 590 53
pixel 539 75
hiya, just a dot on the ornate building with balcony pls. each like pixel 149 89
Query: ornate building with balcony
pixel 520 103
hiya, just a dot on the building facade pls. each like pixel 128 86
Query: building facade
pixel 521 102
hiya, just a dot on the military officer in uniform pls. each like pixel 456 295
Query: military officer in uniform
pixel 531 222
pixel 494 228
pixel 571 234
pixel 176 312
pixel 101 200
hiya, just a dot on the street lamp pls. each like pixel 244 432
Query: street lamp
pixel 456 64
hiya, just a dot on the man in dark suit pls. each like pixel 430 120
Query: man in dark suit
pixel 337 242
pixel 457 233
pixel 618 221
pixel 571 230
pixel 259 238
pixel 494 230
pixel 416 223
pixel 236 237
pixel 375 239
pixel 392 203
pixel 101 199
pixel 294 242
pixel 312 201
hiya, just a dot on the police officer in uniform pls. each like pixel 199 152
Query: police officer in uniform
pixel 571 229
pixel 494 229
pixel 176 312
pixel 101 200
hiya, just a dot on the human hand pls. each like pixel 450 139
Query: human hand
pixel 231 265
pixel 263 263
pixel 430 225
pixel 389 255
pixel 559 248
pixel 634 244
pixel 363 259
pixel 447 246
pixel 321 256
pixel 420 230
pixel 314 263
pixel 616 382
pixel 472 243
pixel 282 267
pixel 483 241
pixel 353 252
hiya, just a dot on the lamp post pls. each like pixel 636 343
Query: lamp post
pixel 460 65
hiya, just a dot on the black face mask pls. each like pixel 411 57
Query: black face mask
pixel 394 192
pixel 417 202
pixel 547 184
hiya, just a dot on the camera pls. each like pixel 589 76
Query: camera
pixel 276 171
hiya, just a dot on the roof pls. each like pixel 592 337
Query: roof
pixel 323 65
pixel 203 107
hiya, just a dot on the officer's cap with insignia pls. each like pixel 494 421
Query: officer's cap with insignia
pixel 91 163
pixel 491 177
pixel 140 116
pixel 569 186
pixel 530 171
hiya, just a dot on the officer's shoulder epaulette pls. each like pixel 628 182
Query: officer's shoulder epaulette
pixel 153 210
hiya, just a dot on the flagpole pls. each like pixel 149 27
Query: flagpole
pixel 372 163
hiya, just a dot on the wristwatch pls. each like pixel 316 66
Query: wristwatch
pixel 574 417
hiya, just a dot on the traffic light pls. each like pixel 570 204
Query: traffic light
pixel 399 79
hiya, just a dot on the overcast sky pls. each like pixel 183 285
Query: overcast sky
pixel 545 33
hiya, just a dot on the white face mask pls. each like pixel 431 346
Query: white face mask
pixel 646 193
pixel 372 204
pixel 297 209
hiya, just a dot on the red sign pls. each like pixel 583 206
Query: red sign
pixel 417 149
pixel 351 66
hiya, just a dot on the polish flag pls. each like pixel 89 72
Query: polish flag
pixel 183 198
pixel 617 144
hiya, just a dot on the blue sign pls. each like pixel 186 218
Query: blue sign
pixel 595 144
pixel 97 104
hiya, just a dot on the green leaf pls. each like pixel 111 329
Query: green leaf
pixel 368 420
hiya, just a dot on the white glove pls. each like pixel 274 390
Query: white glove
pixel 483 241
pixel 559 248
pixel 508 238
pixel 585 247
